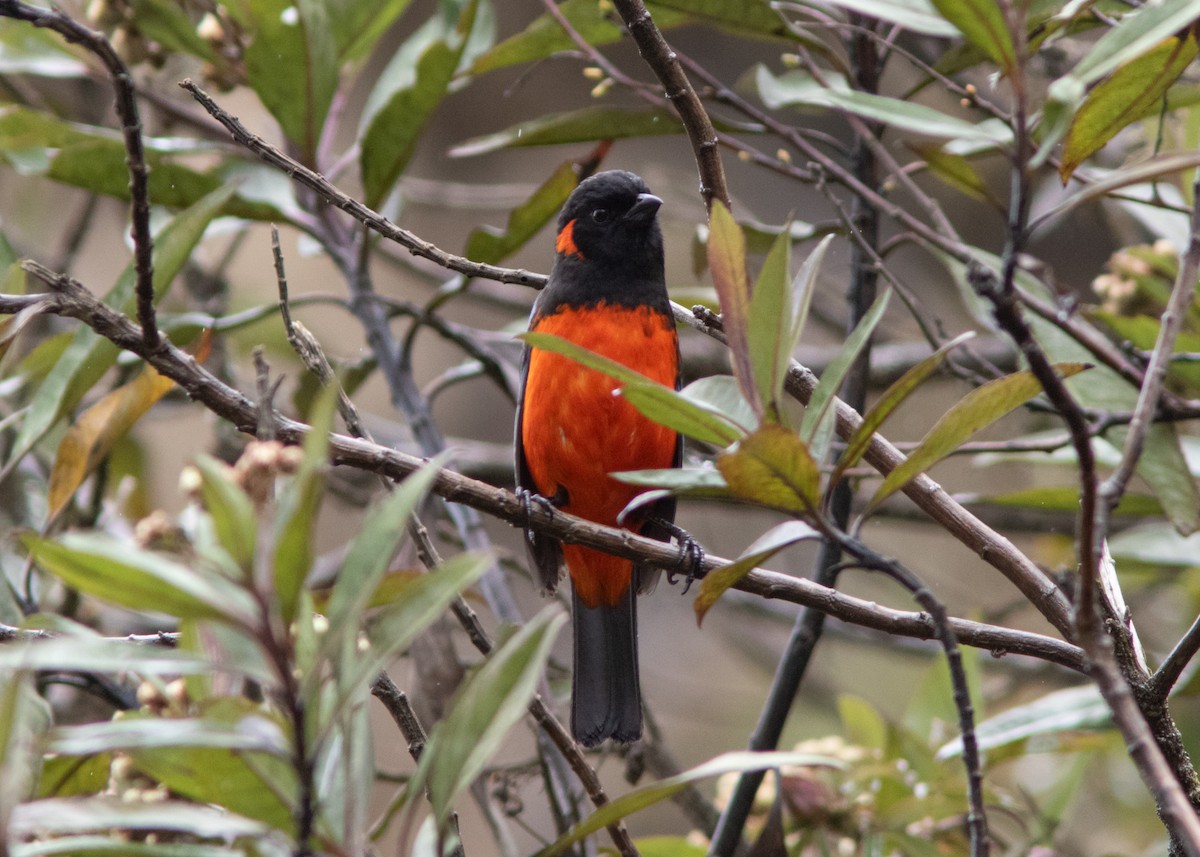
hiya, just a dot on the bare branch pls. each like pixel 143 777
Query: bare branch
pixel 135 154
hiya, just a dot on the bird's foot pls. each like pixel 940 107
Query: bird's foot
pixel 691 555
pixel 529 498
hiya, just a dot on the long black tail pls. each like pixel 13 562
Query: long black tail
pixel 606 700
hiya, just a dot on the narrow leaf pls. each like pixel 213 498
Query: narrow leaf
pixel 231 511
pixel 716 582
pixel 773 467
pixel 371 551
pixel 819 406
pixel 586 125
pixel 485 708
pixel 892 398
pixel 492 246
pixel 296 36
pixel 406 94
pixel 1138 32
pixel 917 16
pixel 982 22
pixel 91 438
pixel 77 815
pixel 653 793
pixel 727 262
pixel 769 324
pixel 141 580
pixel 977 410
pixel 253 732
pixel 1127 95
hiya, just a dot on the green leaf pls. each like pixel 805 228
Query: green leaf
pixel 1133 90
pixel 584 125
pixel 78 815
pixel 977 410
pixel 372 550
pixel 359 24
pixel 258 786
pixel 231 512
pixel 982 22
pixel 296 517
pixel 773 467
pixel 798 88
pixel 727 262
pixel 406 94
pixel 769 323
pixel 676 478
pixel 656 792
pixel 1138 32
pixel 35 51
pixel 1064 498
pixel 956 171
pixel 89 355
pixel 116 846
pixel 141 580
pixel 545 36
pixel 253 732
pixel 420 603
pixel 484 709
pixel 917 16
pixel 819 405
pixel 23 716
pixel 892 398
pixel 1140 173
pixel 1067 710
pixel 1164 467
pixel 105 656
pixel 722 394
pixel 66 776
pixel 667 407
pixel 291 63
pixel 169 25
pixel 716 582
pixel 668 846
pixel 1157 544
pixel 862 723
pixel 656 401
pixel 492 246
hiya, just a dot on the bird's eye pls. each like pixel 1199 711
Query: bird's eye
pixel 601 215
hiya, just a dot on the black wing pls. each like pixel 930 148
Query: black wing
pixel 545 553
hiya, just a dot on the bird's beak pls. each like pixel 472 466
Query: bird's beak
pixel 645 208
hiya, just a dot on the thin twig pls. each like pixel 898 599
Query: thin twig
pixel 1160 684
pixel 377 222
pixel 1173 317
pixel 664 63
pixel 131 128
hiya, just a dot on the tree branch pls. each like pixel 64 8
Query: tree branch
pixel 131 128
pixel 72 300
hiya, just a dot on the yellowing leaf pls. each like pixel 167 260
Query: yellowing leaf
pixel 92 436
pixel 982 22
pixel 727 261
pixel 978 409
pixel 1126 96
pixel 774 467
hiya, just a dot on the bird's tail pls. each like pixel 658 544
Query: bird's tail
pixel 606 699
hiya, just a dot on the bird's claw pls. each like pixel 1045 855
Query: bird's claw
pixel 528 498
pixel 691 555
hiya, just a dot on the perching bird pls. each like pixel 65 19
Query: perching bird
pixel 607 292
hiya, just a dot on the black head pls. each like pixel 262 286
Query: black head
pixel 611 220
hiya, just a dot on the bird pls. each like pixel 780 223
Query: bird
pixel 606 292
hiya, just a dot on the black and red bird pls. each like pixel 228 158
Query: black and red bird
pixel 607 292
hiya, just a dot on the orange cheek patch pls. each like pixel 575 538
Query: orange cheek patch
pixel 565 244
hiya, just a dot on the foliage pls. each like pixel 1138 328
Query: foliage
pixel 240 724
